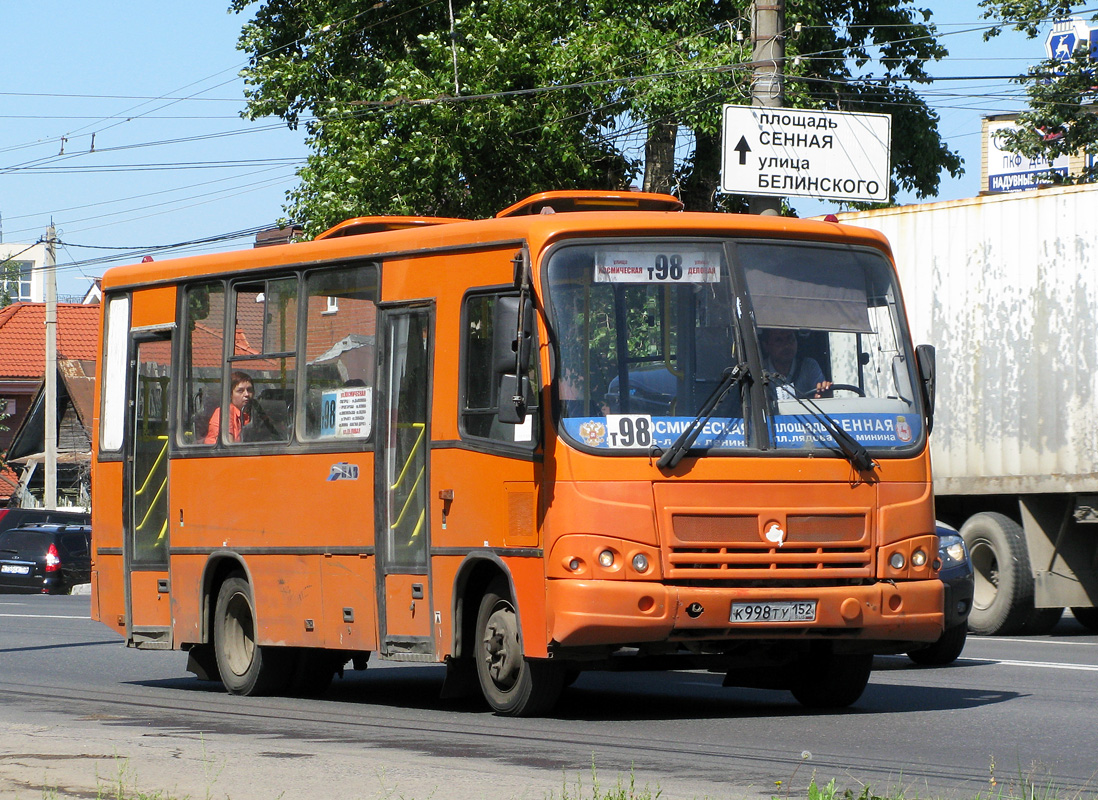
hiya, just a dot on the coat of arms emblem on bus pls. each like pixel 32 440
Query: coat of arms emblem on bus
pixel 775 534
pixel 593 433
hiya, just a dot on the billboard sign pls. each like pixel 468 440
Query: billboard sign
pixel 1008 171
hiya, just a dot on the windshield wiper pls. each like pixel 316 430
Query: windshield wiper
pixel 851 448
pixel 674 454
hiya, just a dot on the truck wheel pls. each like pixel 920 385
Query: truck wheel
pixel 1042 621
pixel 1087 617
pixel 1002 601
pixel 245 667
pixel 944 651
pixel 831 680
pixel 513 685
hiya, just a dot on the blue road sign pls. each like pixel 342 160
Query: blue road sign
pixel 1062 45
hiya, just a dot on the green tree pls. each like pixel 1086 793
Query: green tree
pixel 1061 118
pixel 9 282
pixel 409 110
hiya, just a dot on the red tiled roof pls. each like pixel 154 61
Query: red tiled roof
pixel 23 337
pixel 9 482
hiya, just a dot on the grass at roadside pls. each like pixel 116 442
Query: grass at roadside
pixel 1024 786
pixel 625 789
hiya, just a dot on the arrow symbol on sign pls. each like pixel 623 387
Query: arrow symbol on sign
pixel 743 148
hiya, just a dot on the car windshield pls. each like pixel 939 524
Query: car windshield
pixel 645 331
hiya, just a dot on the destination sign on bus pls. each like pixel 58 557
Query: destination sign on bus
pixel 346 411
pixel 648 266
pixel 628 431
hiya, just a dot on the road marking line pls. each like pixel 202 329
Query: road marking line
pixel 1041 664
pixel 44 616
pixel 1034 641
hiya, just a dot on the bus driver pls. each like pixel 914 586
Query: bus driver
pixel 793 373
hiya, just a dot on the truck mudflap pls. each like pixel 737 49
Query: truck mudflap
pixel 584 613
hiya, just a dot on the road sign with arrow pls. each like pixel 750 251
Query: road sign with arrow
pixel 793 152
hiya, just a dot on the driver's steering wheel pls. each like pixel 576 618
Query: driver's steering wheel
pixel 842 387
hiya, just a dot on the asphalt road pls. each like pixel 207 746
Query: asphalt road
pixel 81 715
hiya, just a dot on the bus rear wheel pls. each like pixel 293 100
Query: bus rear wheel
pixel 245 667
pixel 513 685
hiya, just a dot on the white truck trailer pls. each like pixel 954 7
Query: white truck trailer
pixel 1006 288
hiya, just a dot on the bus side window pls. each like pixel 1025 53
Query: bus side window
pixel 264 353
pixel 340 353
pixel 203 338
pixel 480 384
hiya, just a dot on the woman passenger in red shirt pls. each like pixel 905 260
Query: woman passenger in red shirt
pixel 240 401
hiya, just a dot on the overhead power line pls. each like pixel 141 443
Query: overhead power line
pixel 171 165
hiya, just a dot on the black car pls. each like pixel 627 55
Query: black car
pixel 19 517
pixel 956 574
pixel 45 559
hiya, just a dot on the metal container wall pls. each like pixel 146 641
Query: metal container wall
pixel 1006 289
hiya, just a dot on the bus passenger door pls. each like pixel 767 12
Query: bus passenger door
pixel 401 481
pixel 145 515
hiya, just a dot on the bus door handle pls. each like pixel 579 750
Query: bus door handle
pixel 447 498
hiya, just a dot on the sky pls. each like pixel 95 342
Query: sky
pixel 124 128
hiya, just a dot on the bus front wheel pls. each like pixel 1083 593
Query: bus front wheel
pixel 513 685
pixel 832 680
pixel 245 667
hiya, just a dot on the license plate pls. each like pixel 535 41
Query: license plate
pixel 777 611
pixel 14 569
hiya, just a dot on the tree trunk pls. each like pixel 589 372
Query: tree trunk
pixel 659 157
pixel 699 187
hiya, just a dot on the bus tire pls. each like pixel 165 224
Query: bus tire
pixel 312 671
pixel 832 680
pixel 1002 599
pixel 1087 616
pixel 513 685
pixel 245 667
pixel 944 651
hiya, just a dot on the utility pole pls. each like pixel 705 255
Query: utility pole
pixel 768 81
pixel 49 498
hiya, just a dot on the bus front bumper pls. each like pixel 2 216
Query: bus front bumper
pixel 590 613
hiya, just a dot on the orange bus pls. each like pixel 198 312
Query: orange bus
pixel 593 432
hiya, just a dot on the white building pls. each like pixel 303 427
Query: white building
pixel 29 260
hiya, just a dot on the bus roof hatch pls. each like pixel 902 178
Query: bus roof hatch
pixel 361 225
pixel 577 200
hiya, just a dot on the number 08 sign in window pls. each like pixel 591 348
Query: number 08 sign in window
pixel 341 352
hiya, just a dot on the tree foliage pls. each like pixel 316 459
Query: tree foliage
pixel 10 274
pixel 411 111
pixel 1061 118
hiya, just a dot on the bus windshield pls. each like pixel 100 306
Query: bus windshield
pixel 645 330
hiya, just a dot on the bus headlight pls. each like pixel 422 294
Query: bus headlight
pixel 640 562
pixel 896 560
pixel 606 559
pixel 918 558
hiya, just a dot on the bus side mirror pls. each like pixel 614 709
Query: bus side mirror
pixel 511 343
pixel 513 391
pixel 925 360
